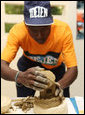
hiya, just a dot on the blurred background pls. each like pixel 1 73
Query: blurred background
pixel 71 12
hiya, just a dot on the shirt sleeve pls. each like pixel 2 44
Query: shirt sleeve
pixel 11 48
pixel 68 50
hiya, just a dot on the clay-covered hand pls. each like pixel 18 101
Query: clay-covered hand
pixel 32 78
pixel 59 90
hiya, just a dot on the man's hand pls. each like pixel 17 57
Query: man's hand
pixel 59 91
pixel 31 78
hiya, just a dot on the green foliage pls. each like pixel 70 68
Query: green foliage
pixel 8 26
pixel 14 9
pixel 57 10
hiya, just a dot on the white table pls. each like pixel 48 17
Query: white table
pixel 80 105
pixel 71 110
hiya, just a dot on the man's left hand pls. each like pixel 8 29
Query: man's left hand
pixel 59 90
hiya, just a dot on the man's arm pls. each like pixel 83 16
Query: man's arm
pixel 31 78
pixel 6 72
pixel 68 77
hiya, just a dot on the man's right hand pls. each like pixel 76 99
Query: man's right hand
pixel 31 78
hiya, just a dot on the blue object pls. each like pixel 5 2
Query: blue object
pixel 74 105
pixel 37 13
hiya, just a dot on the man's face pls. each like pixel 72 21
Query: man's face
pixel 39 33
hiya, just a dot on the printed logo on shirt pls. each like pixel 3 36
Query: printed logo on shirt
pixel 38 12
pixel 50 58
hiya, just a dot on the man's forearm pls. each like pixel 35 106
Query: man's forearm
pixel 68 77
pixel 6 72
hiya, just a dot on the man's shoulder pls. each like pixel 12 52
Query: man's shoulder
pixel 59 23
pixel 19 29
pixel 19 26
pixel 61 26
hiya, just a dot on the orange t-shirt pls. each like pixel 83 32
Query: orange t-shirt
pixel 58 47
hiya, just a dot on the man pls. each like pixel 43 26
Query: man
pixel 46 43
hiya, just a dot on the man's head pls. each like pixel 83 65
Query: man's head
pixel 38 19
